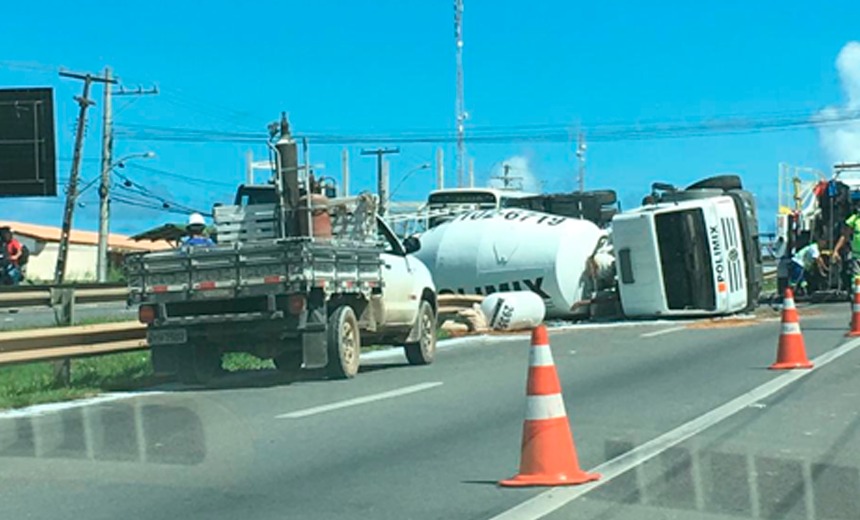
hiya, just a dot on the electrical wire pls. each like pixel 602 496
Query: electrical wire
pixel 522 133
pixel 186 178
pixel 140 190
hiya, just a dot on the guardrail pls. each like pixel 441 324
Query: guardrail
pixel 50 297
pixel 62 343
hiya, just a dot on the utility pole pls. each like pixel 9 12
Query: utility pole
pixel 107 154
pixel 249 168
pixel 381 181
pixel 440 169
pixel 344 172
pixel 460 107
pixel 84 103
pixel 580 156
pixel 104 209
pixel 471 172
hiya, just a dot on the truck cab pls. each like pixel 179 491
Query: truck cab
pixel 689 252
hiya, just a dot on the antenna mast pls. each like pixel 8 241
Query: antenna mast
pixel 461 102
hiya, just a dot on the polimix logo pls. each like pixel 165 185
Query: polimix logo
pixel 719 259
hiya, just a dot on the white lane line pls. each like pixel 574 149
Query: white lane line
pixel 661 332
pixel 557 497
pixel 359 400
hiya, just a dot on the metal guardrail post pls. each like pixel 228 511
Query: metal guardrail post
pixel 63 303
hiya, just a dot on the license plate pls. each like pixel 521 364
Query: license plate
pixel 166 337
pixel 215 293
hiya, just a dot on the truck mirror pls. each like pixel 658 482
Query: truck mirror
pixel 411 245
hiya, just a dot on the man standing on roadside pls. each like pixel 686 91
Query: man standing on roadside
pixel 13 250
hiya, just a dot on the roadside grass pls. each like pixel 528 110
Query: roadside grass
pixel 98 320
pixel 33 383
pixel 240 361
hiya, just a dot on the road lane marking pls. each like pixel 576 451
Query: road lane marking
pixel 359 400
pixel 557 497
pixel 661 332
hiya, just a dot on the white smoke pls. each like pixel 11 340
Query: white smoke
pixel 841 142
pixel 520 173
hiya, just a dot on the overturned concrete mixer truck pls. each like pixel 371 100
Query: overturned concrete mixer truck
pixel 684 252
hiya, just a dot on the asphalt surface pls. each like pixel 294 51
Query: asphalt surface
pixel 431 442
pixel 38 317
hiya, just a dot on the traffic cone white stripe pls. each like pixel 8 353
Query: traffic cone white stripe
pixel 791 328
pixel 855 307
pixel 540 356
pixel 788 303
pixel 539 407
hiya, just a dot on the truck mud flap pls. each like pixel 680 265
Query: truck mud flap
pixel 314 343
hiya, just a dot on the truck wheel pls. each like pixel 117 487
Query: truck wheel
pixel 344 343
pixel 720 182
pixel 423 352
pixel 198 364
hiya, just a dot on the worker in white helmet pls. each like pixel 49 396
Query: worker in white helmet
pixel 195 228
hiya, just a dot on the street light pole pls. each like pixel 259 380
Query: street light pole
pixel 425 166
pixel 104 193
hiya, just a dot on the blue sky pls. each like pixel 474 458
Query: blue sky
pixel 363 67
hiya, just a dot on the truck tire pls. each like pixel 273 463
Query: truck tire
pixel 344 343
pixel 603 197
pixel 198 364
pixel 423 351
pixel 720 182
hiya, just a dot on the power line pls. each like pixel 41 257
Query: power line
pixel 525 133
pixel 139 189
pixel 187 178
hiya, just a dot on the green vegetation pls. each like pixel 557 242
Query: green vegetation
pixel 236 361
pixel 115 274
pixel 33 383
pixel 97 320
pixel 769 285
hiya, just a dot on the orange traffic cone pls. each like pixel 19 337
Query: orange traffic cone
pixel 792 352
pixel 855 310
pixel 548 456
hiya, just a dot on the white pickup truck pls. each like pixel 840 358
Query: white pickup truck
pixel 305 302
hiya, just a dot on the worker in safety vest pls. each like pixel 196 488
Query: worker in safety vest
pixel 851 231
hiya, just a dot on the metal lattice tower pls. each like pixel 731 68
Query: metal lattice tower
pixel 461 103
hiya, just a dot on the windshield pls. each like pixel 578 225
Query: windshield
pixel 474 199
pixel 685 260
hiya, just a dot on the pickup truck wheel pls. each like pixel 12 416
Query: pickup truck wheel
pixel 423 352
pixel 198 365
pixel 344 343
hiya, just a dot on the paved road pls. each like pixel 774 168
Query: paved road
pixel 431 442
pixel 36 317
